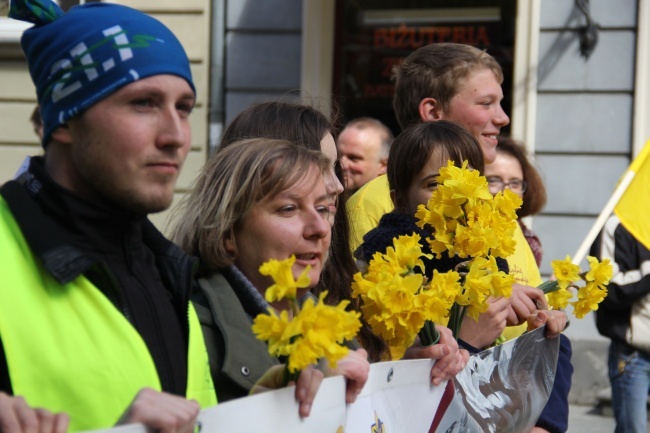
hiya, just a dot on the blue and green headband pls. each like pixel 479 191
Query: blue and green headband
pixel 78 58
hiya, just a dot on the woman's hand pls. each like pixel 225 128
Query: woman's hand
pixel 355 368
pixel 525 301
pixel 490 324
pixel 162 412
pixel 555 321
pixel 449 358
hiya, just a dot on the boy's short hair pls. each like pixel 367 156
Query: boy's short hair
pixel 436 71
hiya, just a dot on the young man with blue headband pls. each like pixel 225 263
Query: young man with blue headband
pixel 95 319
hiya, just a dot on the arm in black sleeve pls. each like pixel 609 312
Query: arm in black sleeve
pixel 631 263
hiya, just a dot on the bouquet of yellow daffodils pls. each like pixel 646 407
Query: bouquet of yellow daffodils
pixel 398 303
pixel 568 274
pixel 304 334
pixel 466 221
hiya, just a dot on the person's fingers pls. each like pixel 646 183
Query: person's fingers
pixel 449 364
pixel 464 354
pixel 26 416
pixel 9 422
pixel 512 319
pixel 539 299
pixel 306 389
pixel 355 368
pixel 555 323
pixel 162 411
pixel 552 327
pixel 537 319
pixel 446 368
pixel 45 420
pixel 523 302
pixel 61 423
pixel 536 295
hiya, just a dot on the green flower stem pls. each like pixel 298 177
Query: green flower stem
pixel 456 316
pixel 549 286
pixel 429 335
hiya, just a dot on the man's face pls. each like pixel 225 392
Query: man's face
pixel 128 149
pixel 361 156
pixel 477 107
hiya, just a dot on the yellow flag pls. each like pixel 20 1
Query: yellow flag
pixel 633 209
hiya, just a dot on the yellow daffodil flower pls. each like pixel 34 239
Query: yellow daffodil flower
pixel 285 286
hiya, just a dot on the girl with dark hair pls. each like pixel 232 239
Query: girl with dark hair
pixel 414 162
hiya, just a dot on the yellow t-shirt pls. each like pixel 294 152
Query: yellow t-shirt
pixel 372 201
pixel 366 207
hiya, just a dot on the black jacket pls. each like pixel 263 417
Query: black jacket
pixel 630 281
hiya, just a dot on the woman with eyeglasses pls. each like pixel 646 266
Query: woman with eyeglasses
pixel 512 169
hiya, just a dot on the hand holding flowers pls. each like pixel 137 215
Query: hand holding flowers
pixel 303 334
pixel 400 303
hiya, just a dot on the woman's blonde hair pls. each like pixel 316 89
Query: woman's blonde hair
pixel 229 185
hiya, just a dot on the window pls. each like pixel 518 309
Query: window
pixel 372 36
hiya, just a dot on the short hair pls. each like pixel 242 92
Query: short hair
pixel 436 71
pixel 413 148
pixel 228 187
pixel 301 124
pixel 385 134
pixel 534 198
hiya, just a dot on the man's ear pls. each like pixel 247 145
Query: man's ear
pixel 383 165
pixel 430 110
pixel 62 134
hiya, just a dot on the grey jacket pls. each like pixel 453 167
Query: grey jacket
pixel 237 359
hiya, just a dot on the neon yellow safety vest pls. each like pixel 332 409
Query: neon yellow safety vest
pixel 68 349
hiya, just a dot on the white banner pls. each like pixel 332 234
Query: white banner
pixel 502 389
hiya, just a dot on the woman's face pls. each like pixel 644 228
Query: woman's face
pixel 292 222
pixel 424 182
pixel 332 183
pixel 505 170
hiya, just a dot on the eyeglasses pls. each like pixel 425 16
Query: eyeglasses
pixel 496 184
